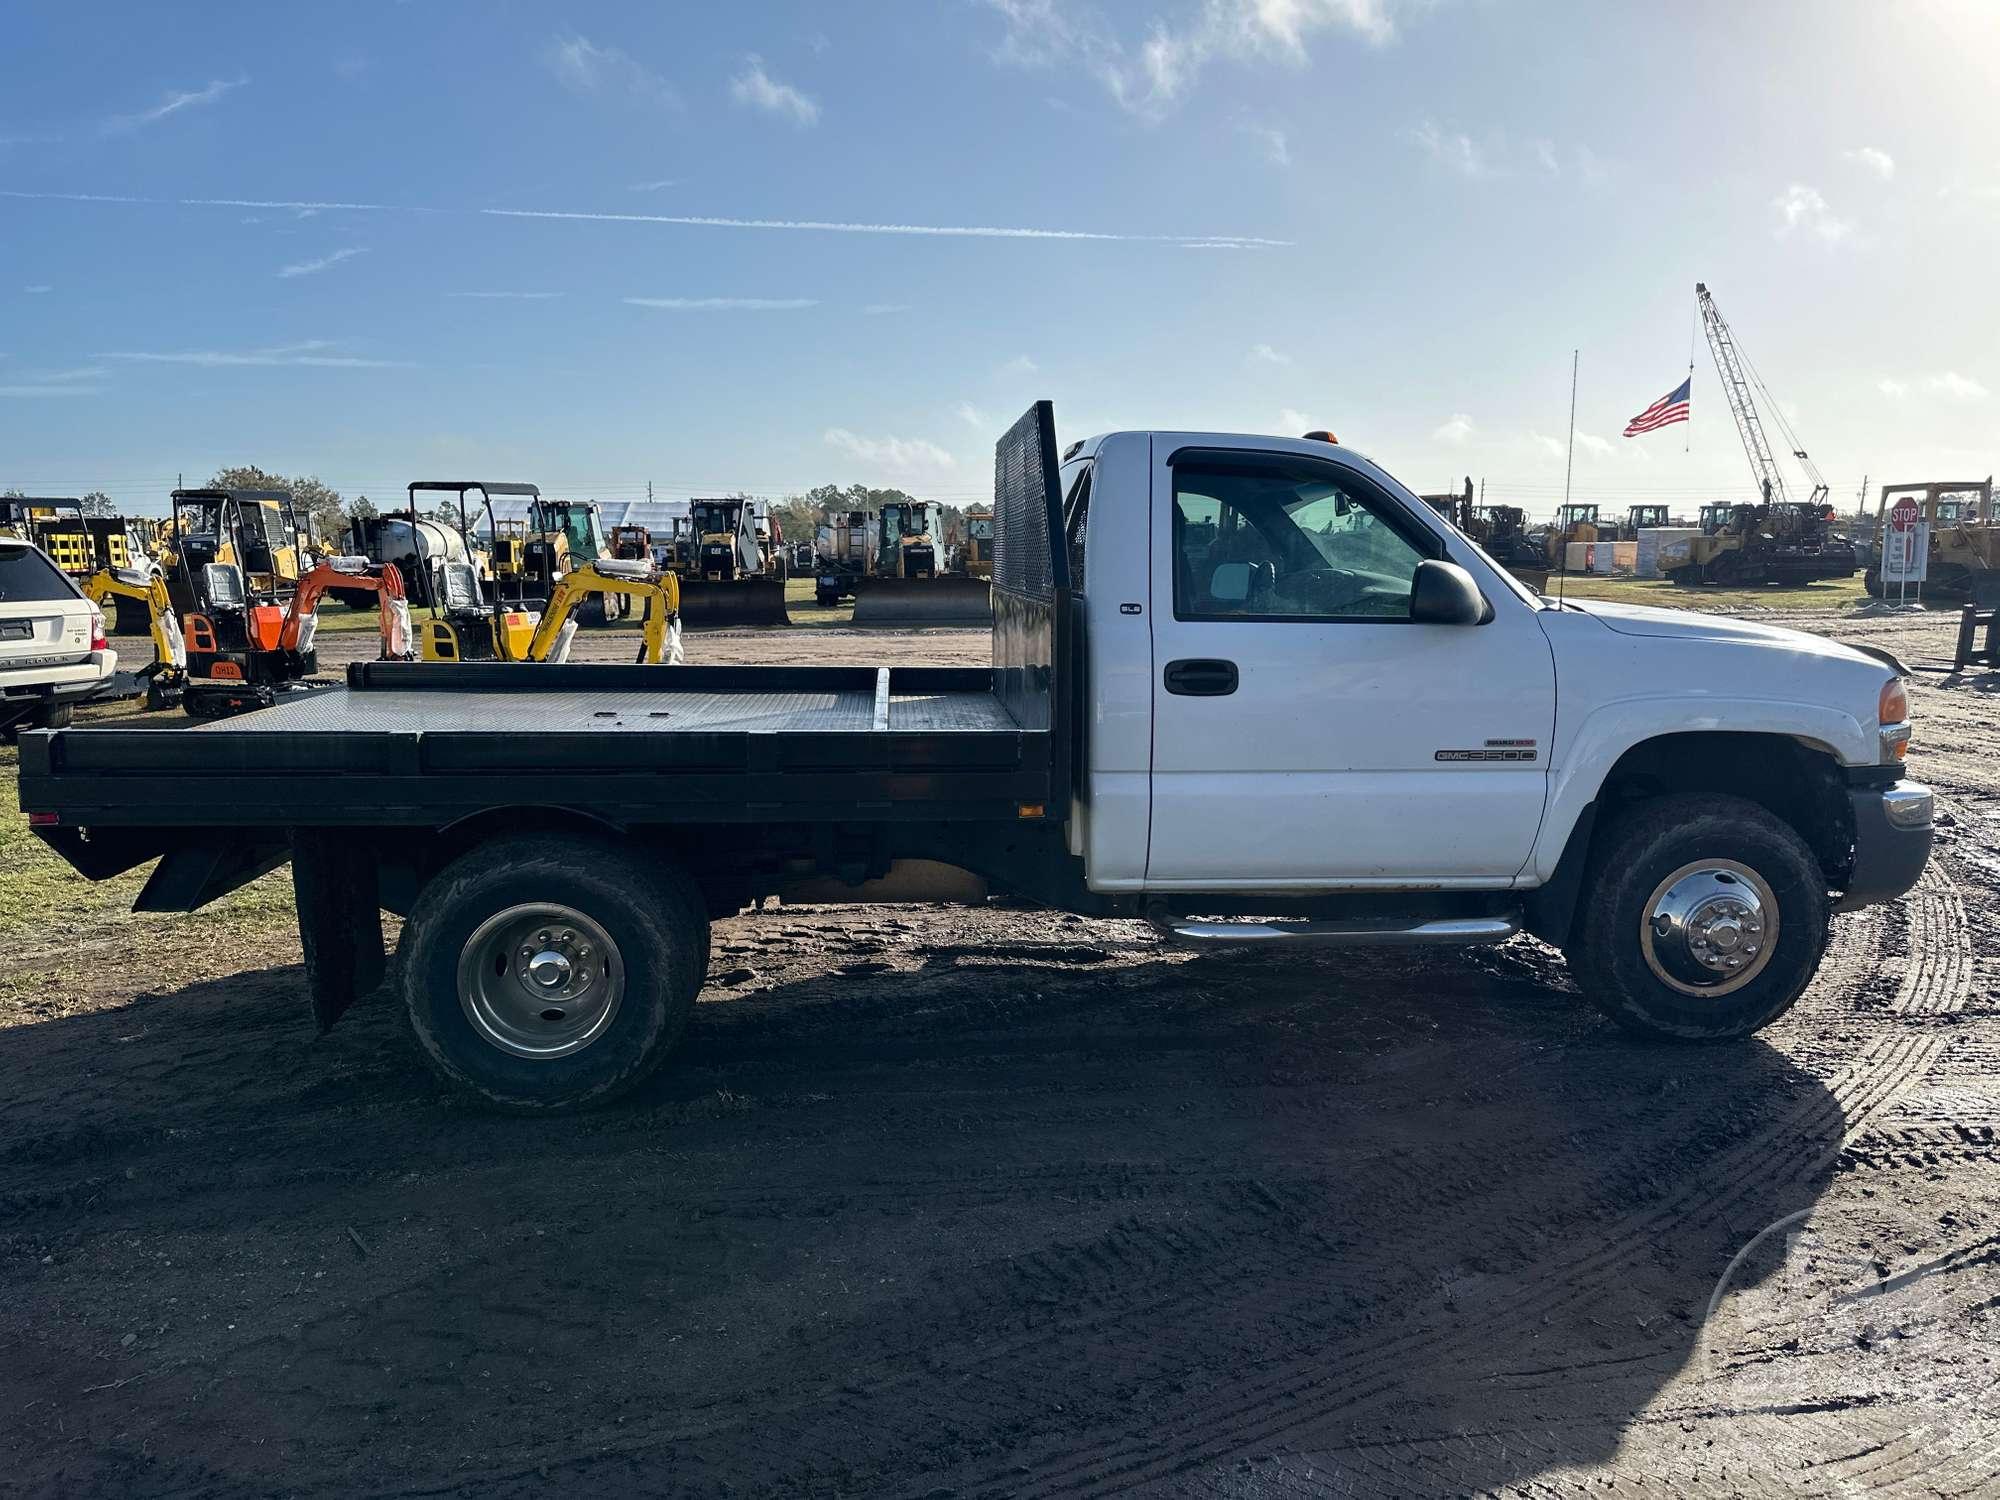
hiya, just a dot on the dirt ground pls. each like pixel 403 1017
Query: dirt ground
pixel 987 1201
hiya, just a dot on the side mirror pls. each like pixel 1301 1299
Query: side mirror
pixel 1443 593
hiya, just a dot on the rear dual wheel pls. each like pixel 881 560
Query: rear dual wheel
pixel 548 974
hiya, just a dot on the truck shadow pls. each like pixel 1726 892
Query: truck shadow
pixel 973 1223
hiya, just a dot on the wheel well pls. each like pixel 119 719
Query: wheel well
pixel 1795 782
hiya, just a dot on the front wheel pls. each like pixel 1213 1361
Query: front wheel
pixel 543 974
pixel 1703 919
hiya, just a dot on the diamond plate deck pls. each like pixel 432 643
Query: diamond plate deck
pixel 460 712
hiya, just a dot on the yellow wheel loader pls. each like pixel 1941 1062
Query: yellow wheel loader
pixel 1964 561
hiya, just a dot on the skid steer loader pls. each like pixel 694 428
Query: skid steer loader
pixel 730 577
pixel 907 584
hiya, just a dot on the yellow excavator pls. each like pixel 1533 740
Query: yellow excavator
pixel 463 627
pixel 167 675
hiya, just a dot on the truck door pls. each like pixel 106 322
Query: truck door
pixel 1307 734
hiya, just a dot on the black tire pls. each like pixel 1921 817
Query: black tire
pixel 650 910
pixel 52 716
pixel 1645 844
pixel 1871 582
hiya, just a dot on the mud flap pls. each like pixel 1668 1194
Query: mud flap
pixel 340 919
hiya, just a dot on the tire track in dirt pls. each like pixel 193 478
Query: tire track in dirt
pixel 1266 1413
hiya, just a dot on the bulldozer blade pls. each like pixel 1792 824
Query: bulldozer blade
pixel 923 601
pixel 746 601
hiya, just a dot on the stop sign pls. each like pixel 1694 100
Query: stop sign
pixel 1903 515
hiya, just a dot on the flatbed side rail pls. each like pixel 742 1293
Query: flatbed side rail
pixel 611 677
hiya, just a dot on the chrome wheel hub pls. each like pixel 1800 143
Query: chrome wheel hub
pixel 540 980
pixel 1710 927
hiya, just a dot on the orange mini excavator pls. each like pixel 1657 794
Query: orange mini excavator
pixel 349 575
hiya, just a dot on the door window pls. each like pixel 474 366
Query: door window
pixel 1257 542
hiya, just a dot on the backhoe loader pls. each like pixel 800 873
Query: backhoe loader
pixel 907 584
pixel 730 577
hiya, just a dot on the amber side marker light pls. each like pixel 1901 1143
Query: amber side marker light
pixel 1032 810
pixel 1892 711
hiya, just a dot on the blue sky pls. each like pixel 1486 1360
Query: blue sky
pixel 586 244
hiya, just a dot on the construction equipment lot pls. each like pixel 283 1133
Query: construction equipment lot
pixel 986 1201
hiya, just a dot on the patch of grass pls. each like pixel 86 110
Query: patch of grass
pixel 64 938
pixel 1837 593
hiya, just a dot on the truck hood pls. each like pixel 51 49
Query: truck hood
pixel 1680 624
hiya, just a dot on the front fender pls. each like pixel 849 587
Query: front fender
pixel 1586 755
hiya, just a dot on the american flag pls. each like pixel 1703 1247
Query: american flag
pixel 1670 408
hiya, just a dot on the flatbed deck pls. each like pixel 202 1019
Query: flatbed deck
pixel 405 743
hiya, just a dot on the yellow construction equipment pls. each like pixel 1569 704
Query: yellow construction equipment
pixel 465 628
pixel 167 673
pixel 1964 561
pixel 906 584
pixel 731 575
pixel 978 554
pixel 1573 523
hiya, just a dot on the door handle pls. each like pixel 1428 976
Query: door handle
pixel 1197 677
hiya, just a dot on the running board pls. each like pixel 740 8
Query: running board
pixel 1353 934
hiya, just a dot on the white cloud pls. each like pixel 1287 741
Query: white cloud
pixel 1294 423
pixel 758 89
pixel 723 304
pixel 1453 149
pixel 34 392
pixel 1873 159
pixel 81 372
pixel 1545 157
pixel 835 226
pixel 173 104
pixel 912 458
pixel 1801 208
pixel 1265 354
pixel 310 352
pixel 509 296
pixel 658 184
pixel 1955 387
pixel 1017 367
pixel 1149 78
pixel 1275 145
pixel 1895 390
pixel 884 309
pixel 1591 443
pixel 39 289
pixel 583 67
pixel 314 267
pixel 972 416
pixel 1551 446
pixel 1456 430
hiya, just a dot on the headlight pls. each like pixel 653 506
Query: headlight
pixel 1892 713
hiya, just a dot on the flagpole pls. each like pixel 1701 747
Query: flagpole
pixel 1569 466
pixel 1569 463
